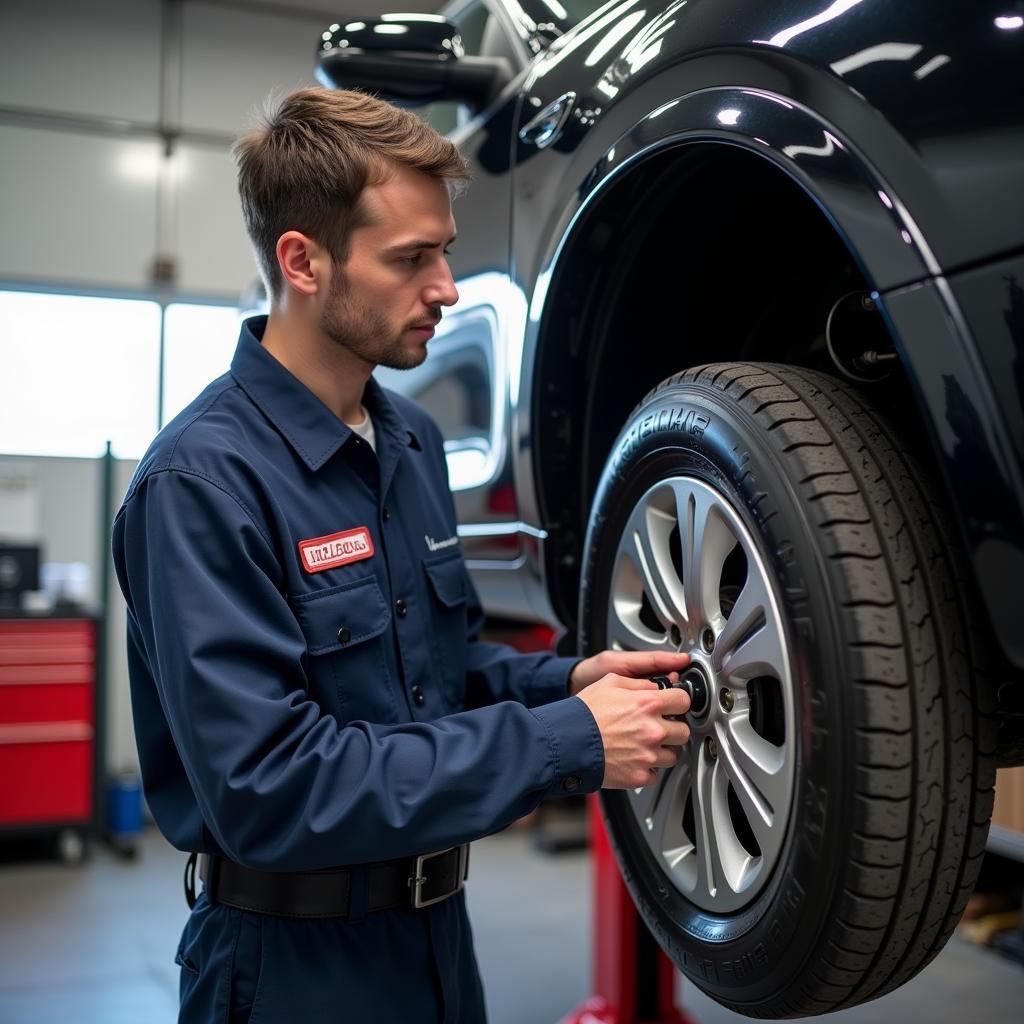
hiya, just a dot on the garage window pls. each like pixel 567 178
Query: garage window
pixel 77 371
pixel 199 342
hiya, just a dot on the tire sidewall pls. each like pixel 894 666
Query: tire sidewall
pixel 747 956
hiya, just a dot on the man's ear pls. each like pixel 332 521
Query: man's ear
pixel 305 265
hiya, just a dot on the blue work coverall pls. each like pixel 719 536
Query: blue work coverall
pixel 308 705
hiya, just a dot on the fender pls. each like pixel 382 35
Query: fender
pixel 763 101
pixel 766 113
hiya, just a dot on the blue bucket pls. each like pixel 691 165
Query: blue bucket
pixel 124 804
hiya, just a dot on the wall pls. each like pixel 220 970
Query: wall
pixel 93 98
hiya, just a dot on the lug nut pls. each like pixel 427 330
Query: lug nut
pixel 726 699
pixel 711 748
pixel 707 639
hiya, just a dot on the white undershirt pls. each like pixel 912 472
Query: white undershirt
pixel 365 429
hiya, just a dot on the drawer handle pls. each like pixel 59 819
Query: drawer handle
pixel 44 732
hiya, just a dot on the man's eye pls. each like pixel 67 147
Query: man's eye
pixel 415 260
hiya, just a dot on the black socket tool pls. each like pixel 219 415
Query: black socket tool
pixel 694 683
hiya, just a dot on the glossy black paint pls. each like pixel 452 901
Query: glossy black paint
pixel 903 124
pixel 408 58
pixel 987 476
pixel 955 147
pixel 423 35
pixel 917 165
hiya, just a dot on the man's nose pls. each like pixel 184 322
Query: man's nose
pixel 442 290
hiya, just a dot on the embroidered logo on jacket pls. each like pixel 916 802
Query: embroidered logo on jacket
pixel 329 552
pixel 436 545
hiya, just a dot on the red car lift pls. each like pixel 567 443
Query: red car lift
pixel 634 981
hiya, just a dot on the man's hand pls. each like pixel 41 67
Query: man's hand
pixel 638 664
pixel 637 737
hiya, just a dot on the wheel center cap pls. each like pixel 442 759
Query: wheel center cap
pixel 695 682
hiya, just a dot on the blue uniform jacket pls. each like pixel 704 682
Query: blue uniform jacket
pixel 308 689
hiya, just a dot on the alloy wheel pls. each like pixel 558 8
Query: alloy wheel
pixel 687 576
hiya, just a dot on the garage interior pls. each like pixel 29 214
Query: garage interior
pixel 124 269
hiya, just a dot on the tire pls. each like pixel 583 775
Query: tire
pixel 817 842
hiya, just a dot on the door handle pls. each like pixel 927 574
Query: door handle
pixel 545 128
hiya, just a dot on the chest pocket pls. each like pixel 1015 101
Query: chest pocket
pixel 447 584
pixel 346 628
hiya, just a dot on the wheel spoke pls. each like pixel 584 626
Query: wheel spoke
pixel 665 817
pixel 758 653
pixel 750 611
pixel 706 541
pixel 649 549
pixel 626 631
pixel 712 839
pixel 755 769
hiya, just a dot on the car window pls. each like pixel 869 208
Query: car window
pixel 562 15
pixel 577 10
pixel 472 22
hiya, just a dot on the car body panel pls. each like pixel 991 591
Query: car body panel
pixel 983 448
pixel 901 122
pixel 953 143
pixel 914 195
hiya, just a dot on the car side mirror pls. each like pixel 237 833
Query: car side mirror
pixel 409 59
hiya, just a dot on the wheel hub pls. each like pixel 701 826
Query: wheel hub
pixel 695 683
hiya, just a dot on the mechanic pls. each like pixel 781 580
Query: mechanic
pixel 316 718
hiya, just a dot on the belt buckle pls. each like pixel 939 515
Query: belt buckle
pixel 417 881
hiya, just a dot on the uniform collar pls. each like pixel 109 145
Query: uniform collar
pixel 302 419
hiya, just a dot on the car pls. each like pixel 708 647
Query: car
pixel 737 369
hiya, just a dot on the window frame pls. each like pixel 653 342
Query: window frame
pixel 516 42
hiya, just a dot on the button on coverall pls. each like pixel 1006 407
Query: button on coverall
pixel 302 706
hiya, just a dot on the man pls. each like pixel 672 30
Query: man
pixel 314 712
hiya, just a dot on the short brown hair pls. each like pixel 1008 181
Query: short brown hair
pixel 305 168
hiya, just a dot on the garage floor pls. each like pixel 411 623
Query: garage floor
pixel 93 944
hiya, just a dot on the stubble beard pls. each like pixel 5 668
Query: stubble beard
pixel 365 332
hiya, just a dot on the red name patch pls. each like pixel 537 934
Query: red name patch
pixel 322 553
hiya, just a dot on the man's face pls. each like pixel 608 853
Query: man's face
pixel 386 297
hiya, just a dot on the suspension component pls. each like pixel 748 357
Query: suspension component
pixel 857 338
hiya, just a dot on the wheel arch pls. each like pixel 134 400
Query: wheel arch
pixel 814 211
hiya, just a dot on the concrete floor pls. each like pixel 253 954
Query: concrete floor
pixel 94 945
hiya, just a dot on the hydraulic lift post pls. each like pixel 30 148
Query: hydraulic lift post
pixel 634 981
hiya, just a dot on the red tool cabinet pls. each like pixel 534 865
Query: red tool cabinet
pixel 48 749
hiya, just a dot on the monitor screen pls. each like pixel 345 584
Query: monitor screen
pixel 19 571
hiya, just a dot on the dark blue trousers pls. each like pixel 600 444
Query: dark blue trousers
pixel 401 966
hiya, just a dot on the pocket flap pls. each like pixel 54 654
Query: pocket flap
pixel 339 617
pixel 448 579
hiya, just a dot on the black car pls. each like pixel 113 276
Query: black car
pixel 738 369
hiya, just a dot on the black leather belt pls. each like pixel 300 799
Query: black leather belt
pixel 408 882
